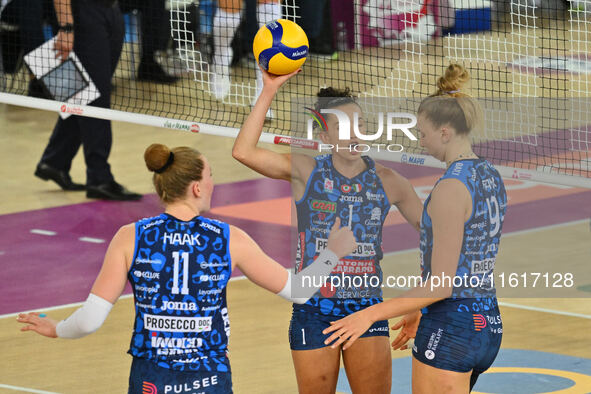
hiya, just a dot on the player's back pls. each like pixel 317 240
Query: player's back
pixel 474 285
pixel 179 273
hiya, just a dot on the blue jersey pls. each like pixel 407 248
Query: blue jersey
pixel 361 201
pixel 179 274
pixel 474 286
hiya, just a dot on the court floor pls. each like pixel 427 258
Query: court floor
pixel 52 245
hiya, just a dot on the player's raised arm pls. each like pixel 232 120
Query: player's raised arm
pixel 272 164
pixel 269 274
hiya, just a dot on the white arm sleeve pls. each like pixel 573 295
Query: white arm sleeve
pixel 86 319
pixel 300 287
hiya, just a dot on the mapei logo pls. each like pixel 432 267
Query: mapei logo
pixel 479 321
pixel 324 206
pixel 410 159
pixel 149 388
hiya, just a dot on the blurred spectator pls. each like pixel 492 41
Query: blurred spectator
pixel 155 35
pixel 225 24
pixel 316 22
pixel 207 9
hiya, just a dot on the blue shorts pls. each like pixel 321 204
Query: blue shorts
pixel 305 330
pixel 459 341
pixel 146 377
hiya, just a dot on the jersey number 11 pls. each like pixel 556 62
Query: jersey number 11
pixel 175 275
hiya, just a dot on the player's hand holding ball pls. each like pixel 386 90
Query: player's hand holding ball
pixel 280 48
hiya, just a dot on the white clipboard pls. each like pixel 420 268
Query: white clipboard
pixel 67 81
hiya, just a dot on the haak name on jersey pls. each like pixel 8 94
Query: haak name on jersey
pixel 181 239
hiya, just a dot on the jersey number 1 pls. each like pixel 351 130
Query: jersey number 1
pixel 175 277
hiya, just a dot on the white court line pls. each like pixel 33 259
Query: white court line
pixel 549 227
pixel 91 240
pixel 74 304
pixel 25 389
pixel 42 232
pixel 57 307
pixel 533 230
pixel 505 235
pixel 535 308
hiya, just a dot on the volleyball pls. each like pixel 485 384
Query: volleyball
pixel 280 47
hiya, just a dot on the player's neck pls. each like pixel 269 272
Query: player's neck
pixel 459 151
pixel 182 210
pixel 348 168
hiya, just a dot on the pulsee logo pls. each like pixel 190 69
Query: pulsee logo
pixel 388 122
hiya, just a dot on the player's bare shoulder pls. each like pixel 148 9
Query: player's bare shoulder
pixel 302 166
pixel 395 185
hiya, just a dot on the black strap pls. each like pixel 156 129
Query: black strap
pixel 168 163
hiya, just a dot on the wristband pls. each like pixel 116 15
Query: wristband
pixel 67 28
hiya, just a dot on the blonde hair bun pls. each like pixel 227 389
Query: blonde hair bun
pixel 453 80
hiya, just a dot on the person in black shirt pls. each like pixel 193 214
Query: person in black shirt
pixel 94 29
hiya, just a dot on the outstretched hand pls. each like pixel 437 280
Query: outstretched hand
pixel 348 329
pixel 272 81
pixel 409 324
pixel 341 239
pixel 41 325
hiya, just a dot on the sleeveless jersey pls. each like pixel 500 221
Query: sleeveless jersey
pixel 473 289
pixel 360 200
pixel 179 274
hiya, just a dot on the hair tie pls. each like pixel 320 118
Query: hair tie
pixel 453 91
pixel 168 163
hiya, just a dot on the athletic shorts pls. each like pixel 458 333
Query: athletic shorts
pixel 459 341
pixel 146 377
pixel 305 330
